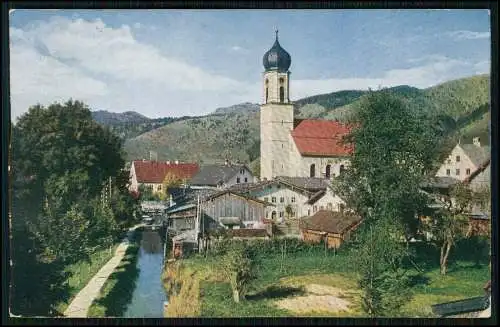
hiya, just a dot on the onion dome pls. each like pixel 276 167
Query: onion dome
pixel 277 58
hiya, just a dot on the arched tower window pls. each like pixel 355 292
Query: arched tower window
pixel 267 90
pixel 341 169
pixel 312 170
pixel 282 94
pixel 327 172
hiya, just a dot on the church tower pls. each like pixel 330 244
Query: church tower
pixel 276 114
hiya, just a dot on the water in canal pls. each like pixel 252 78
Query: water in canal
pixel 149 294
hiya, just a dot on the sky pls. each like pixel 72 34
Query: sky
pixel 168 63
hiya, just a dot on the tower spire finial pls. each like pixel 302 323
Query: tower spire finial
pixel 276 31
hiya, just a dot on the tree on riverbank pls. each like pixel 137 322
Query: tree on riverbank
pixel 61 162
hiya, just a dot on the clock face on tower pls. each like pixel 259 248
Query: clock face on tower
pixel 272 57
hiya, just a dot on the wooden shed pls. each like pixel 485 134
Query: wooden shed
pixel 330 226
pixel 232 210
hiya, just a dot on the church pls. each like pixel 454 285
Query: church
pixel 289 146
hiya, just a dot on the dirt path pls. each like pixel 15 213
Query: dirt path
pixel 80 305
pixel 317 298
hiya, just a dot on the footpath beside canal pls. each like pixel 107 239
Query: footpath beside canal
pixel 80 305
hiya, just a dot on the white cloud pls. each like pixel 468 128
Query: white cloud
pixel 94 49
pixel 137 25
pixel 483 67
pixel 236 48
pixel 39 79
pixel 434 69
pixel 468 35
pixel 110 69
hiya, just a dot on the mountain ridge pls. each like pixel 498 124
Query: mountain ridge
pixel 233 132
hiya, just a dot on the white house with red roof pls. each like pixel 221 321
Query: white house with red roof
pixel 152 173
pixel 292 147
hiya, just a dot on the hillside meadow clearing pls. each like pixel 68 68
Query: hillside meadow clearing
pixel 311 282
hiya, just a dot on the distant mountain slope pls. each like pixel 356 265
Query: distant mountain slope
pixel 234 131
pixel 246 107
pixel 209 139
pixel 112 118
pixel 130 124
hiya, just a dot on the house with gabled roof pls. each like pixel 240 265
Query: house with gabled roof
pixel 221 176
pixel 464 159
pixel 304 196
pixel 152 173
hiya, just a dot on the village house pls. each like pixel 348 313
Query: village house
pixel 464 159
pixel 295 147
pixel 293 197
pixel 207 211
pixel 152 173
pixel 331 227
pixel 182 218
pixel 221 176
pixel 480 179
pixel 183 208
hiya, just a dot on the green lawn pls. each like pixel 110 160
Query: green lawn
pixel 279 279
pixel 82 272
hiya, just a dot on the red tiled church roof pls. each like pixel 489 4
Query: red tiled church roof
pixel 155 171
pixel 321 138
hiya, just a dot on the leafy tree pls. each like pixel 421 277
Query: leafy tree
pixel 170 181
pixel 61 161
pixel 66 151
pixel 124 205
pixel 255 167
pixel 383 281
pixel 146 193
pixel 393 150
pixel 392 153
pixel 449 223
pixel 238 266
pixel 72 228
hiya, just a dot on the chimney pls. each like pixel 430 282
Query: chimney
pixel 476 141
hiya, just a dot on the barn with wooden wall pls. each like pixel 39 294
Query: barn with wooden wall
pixel 242 211
pixel 332 227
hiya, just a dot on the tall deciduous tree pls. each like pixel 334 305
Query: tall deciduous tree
pixel 61 160
pixel 380 257
pixel 393 150
pixel 449 223
pixel 69 154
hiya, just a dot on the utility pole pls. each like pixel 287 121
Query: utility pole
pixel 197 223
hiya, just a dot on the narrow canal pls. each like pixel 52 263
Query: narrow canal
pixel 149 294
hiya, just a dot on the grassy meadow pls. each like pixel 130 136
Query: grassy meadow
pixel 202 290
